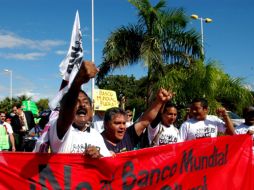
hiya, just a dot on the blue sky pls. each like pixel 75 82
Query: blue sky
pixel 35 37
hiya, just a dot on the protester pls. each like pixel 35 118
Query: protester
pixel 118 137
pixel 162 130
pixel 6 135
pixel 70 132
pixel 129 115
pixel 248 126
pixel 202 125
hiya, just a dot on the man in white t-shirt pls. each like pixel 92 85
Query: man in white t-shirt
pixel 70 132
pixel 248 126
pixel 201 125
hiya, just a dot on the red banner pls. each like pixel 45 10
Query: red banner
pixel 212 163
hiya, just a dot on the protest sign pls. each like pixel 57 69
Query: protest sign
pixel 211 163
pixel 29 105
pixel 104 99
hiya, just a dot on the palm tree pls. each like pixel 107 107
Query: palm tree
pixel 159 38
pixel 23 98
pixel 209 81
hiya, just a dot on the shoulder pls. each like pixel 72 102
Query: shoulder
pixel 174 127
pixel 242 126
pixel 188 122
pixel 215 120
pixel 94 132
pixel 6 124
pixel 28 113
pixel 131 128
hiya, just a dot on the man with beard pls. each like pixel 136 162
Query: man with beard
pixel 118 137
pixel 70 132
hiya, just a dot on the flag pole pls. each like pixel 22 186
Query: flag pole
pixel 93 47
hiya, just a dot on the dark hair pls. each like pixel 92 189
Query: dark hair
pixel 89 99
pixel 17 105
pixel 203 101
pixel 158 118
pixel 248 111
pixel 168 104
pixel 111 112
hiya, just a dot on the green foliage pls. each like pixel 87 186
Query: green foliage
pixel 159 37
pixel 5 104
pixel 209 81
pixel 42 104
pixel 133 90
pixel 123 85
pixel 23 98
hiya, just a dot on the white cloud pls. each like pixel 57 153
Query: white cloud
pixel 22 56
pixel 61 52
pixel 10 40
pixel 249 87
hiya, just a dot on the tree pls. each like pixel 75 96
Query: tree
pixel 133 90
pixel 160 37
pixel 23 98
pixel 209 81
pixel 42 104
pixel 5 105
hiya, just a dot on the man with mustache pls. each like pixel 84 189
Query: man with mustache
pixel 118 138
pixel 70 132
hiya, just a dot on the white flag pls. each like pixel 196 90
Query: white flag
pixel 71 63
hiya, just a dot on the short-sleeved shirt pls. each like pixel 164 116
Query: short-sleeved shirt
pixel 243 129
pixel 167 135
pixel 8 127
pixel 194 129
pixel 130 141
pixel 5 131
pixel 75 141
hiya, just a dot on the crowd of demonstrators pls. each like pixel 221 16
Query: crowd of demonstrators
pixel 202 125
pixel 118 137
pixel 7 141
pixel 74 129
pixel 19 130
pixel 162 130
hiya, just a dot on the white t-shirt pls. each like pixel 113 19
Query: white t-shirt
pixel 168 135
pixel 75 141
pixel 129 123
pixel 194 129
pixel 243 129
pixel 8 127
pixel 98 123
